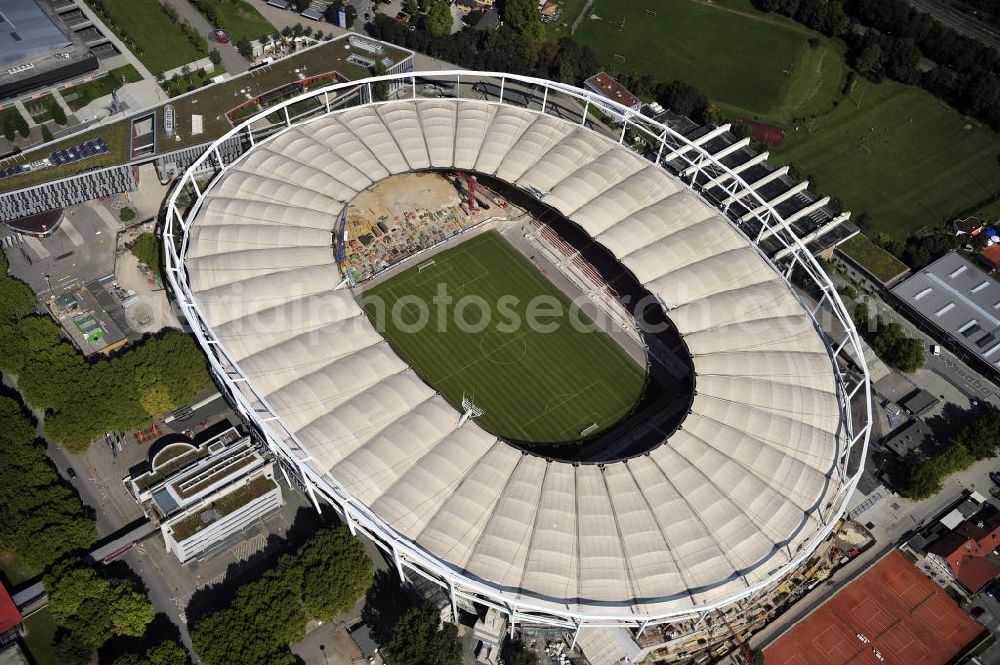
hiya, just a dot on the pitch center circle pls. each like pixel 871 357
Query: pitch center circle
pixel 502 348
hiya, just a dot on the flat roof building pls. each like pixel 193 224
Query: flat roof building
pixel 603 84
pixel 35 51
pixel 908 438
pixel 960 300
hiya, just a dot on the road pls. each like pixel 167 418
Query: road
pixel 959 21
pixel 231 58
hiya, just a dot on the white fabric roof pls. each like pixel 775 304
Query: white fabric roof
pixel 727 500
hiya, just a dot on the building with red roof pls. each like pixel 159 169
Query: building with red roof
pixel 603 84
pixel 10 618
pixel 990 257
pixel 965 550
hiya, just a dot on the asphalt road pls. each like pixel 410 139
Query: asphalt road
pixel 959 21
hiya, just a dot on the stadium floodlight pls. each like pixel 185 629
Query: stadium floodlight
pixel 470 410
pixel 718 513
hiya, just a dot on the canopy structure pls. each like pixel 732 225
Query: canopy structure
pixel 745 488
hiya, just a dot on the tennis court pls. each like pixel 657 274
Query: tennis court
pixel 893 611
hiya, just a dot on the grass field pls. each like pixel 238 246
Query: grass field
pixel 163 45
pixel 88 92
pixel 40 638
pixel 534 386
pixel 238 18
pixel 898 154
pixel 748 62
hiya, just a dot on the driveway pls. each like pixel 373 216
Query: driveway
pixel 231 58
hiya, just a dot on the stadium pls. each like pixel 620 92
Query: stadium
pixel 686 498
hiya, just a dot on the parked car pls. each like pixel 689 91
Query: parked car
pixel 935 350
pixel 71 473
pixel 221 36
pixel 995 477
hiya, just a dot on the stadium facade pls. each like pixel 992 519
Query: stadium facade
pixel 754 479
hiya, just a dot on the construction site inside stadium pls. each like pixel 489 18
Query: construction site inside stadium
pixel 716 430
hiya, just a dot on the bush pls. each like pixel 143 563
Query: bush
pixel 126 214
pixel 46 133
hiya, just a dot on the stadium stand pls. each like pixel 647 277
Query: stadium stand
pixel 746 486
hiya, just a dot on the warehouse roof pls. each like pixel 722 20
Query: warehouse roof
pixel 961 300
pixel 725 502
pixel 26 32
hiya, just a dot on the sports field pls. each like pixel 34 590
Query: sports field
pixel 893 609
pixel 538 384
pixel 749 62
pixel 898 154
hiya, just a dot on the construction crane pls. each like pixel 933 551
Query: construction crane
pixel 745 650
pixel 470 190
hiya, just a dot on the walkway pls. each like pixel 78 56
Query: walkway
pixel 113 38
pixel 231 58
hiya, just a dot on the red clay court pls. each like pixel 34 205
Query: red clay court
pixel 766 134
pixel 905 616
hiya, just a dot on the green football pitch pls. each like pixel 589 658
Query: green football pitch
pixel 750 62
pixel 543 383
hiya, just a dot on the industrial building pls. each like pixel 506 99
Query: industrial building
pixel 37 49
pixel 956 299
pixel 718 510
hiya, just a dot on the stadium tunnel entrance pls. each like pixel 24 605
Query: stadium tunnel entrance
pixel 670 384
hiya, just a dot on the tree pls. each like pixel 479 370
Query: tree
pixel 523 17
pixel 683 98
pixel 95 608
pixel 164 653
pixel 336 572
pixel 515 653
pixel 245 48
pixel 127 214
pixel 439 19
pixel 57 112
pixel 412 8
pixel 419 638
pixel 148 249
pixel 302 5
pixel 380 90
pixel 216 57
pixel 47 135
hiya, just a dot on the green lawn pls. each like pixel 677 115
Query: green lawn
pixel 159 44
pixel 534 386
pixel 876 260
pixel 238 18
pixel 570 10
pixel 88 92
pixel 898 154
pixel 750 63
pixel 41 630
pixel 13 570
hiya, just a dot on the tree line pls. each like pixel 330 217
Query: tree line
pixel 977 441
pixel 892 41
pixel 323 578
pixel 83 399
pixel 45 527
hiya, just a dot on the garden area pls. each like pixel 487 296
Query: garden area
pixel 155 34
pixel 80 95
